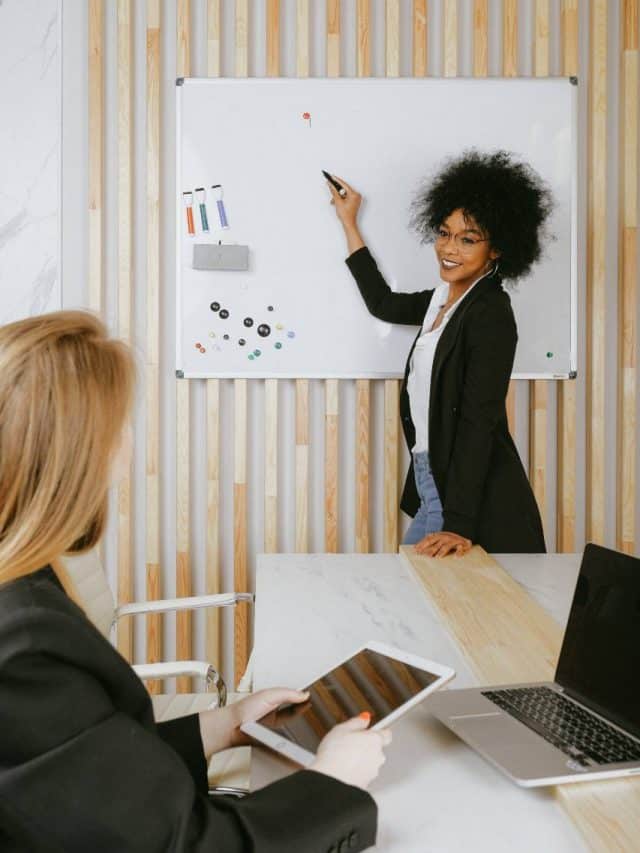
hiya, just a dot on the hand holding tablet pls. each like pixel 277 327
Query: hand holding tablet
pixel 378 680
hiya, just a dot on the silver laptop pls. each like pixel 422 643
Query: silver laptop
pixel 585 724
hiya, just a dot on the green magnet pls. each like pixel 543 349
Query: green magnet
pixel 278 345
pixel 256 352
pixel 549 355
pixel 251 356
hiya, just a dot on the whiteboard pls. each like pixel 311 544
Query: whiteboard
pixel 266 141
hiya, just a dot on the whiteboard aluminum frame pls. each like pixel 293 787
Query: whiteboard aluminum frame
pixel 250 374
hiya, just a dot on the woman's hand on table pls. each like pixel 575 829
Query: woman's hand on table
pixel 220 727
pixel 441 544
pixel 351 753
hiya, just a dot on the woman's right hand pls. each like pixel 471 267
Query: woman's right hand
pixel 352 754
pixel 346 208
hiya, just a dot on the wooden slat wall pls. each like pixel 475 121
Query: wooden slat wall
pixel 125 295
pixel 570 511
pixel 152 378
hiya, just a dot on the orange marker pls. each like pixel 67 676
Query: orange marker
pixel 188 203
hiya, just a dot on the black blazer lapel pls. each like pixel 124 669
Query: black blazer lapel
pixel 452 329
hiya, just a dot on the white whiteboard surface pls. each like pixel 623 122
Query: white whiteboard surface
pixel 384 137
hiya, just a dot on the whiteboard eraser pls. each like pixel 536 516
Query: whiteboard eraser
pixel 211 256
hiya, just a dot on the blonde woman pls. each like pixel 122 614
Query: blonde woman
pixel 83 766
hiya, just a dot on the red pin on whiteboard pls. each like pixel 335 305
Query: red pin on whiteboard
pixel 307 117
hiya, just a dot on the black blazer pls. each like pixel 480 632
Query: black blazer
pixel 482 484
pixel 83 766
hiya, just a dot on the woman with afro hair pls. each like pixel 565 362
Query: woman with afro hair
pixel 485 214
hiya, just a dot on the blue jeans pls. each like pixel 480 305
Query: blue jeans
pixel 428 519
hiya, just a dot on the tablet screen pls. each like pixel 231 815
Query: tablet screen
pixel 368 681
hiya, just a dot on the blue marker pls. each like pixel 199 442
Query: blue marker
pixel 222 213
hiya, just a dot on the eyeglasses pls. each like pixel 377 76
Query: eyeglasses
pixel 465 244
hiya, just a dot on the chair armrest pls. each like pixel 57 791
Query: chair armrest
pixel 203 669
pixel 193 602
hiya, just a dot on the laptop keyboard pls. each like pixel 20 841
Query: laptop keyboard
pixel 566 725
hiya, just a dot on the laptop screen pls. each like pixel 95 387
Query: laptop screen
pixel 600 656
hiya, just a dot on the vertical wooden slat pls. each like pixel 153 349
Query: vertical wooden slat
pixel 213 625
pixel 363 31
pixel 242 38
pixel 392 39
pixel 391 386
pixel 480 38
pixel 271 466
pixel 538 399
pixel 362 465
pixel 567 407
pixel 302 38
pixel 125 245
pixel 153 581
pixel 214 36
pixel 510 69
pixel 213 638
pixel 331 385
pixel 240 577
pixel 183 567
pixel 96 152
pixel 302 385
pixel 273 38
pixel 183 443
pixel 450 33
pixel 596 272
pixel 510 38
pixel 628 278
pixel 302 465
pixel 333 38
pixel 391 466
pixel 241 638
pixel 331 467
pixel 419 38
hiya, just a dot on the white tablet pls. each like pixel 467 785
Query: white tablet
pixel 377 678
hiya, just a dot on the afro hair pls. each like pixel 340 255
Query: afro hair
pixel 505 197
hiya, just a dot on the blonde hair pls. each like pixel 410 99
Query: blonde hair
pixel 66 389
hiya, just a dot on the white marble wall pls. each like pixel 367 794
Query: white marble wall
pixel 30 134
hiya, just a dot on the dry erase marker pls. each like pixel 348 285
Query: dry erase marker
pixel 222 213
pixel 188 203
pixel 201 198
pixel 341 190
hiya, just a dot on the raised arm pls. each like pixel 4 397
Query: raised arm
pixel 385 304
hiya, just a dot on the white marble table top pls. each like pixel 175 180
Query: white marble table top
pixel 434 793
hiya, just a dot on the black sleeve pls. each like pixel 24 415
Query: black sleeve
pixel 79 771
pixel 492 339
pixel 385 304
pixel 183 735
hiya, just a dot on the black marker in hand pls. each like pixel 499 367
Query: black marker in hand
pixel 341 190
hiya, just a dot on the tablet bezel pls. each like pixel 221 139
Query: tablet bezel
pixel 279 743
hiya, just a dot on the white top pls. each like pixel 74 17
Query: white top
pixel 419 380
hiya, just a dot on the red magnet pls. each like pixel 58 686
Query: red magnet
pixel 307 117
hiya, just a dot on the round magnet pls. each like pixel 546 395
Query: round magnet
pixel 224 314
pixel 215 306
pixel 263 330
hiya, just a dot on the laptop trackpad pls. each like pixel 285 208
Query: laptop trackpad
pixel 522 753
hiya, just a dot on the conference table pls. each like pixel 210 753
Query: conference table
pixel 434 793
